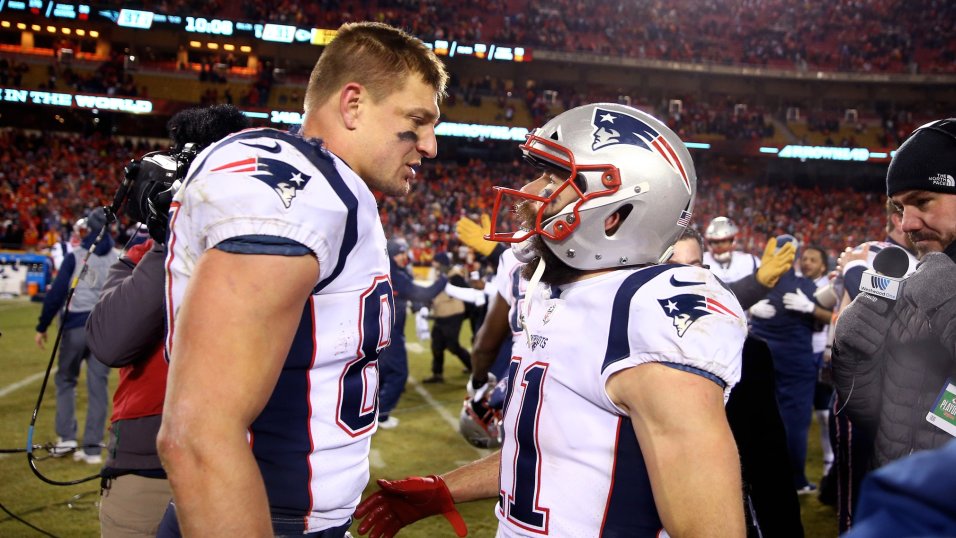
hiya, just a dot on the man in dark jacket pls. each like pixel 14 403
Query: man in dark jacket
pixel 894 360
pixel 73 348
pixel 393 362
pixel 448 314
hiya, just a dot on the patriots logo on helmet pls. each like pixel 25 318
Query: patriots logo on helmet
pixel 686 308
pixel 612 128
pixel 285 179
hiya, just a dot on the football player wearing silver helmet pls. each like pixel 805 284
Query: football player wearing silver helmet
pixel 614 421
pixel 724 260
pixel 616 189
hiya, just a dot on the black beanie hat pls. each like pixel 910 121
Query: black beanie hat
pixel 925 162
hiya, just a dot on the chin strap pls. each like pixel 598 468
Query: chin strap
pixel 529 296
pixel 666 255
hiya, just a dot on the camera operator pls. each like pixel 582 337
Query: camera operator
pixel 126 329
pixel 893 360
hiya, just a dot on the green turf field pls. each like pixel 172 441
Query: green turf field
pixel 426 442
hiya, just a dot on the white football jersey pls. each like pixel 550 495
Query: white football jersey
pixel 507 275
pixel 253 190
pixel 740 265
pixel 511 287
pixel 570 463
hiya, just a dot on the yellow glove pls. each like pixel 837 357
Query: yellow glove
pixel 775 263
pixel 473 234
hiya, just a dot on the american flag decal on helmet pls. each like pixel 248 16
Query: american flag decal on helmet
pixel 611 127
pixel 684 219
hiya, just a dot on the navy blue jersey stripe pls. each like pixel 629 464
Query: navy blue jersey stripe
pixel 351 220
pixel 281 441
pixel 631 512
pixel 703 373
pixel 263 244
pixel 617 342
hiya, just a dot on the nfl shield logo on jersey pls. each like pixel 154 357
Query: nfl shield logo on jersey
pixel 686 308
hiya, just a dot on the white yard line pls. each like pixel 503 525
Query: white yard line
pixel 375 459
pixel 22 383
pixel 442 412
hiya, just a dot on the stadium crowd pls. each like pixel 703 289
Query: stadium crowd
pixel 872 36
pixel 48 180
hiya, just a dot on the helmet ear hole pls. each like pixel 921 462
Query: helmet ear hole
pixel 621 215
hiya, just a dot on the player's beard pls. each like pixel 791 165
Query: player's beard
pixel 556 272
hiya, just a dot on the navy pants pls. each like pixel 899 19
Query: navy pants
pixel 392 375
pixel 796 377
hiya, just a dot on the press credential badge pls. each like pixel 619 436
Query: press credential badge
pixel 943 414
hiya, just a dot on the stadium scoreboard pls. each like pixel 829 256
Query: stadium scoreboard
pixel 140 19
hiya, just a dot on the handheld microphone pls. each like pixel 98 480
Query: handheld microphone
pixel 892 262
pixel 889 266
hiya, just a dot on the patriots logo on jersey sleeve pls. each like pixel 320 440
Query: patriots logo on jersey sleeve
pixel 612 128
pixel 686 308
pixel 285 179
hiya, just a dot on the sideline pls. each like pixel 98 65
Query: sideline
pixel 24 382
pixel 448 418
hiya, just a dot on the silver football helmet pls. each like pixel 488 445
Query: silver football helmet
pixel 721 229
pixel 480 424
pixel 618 160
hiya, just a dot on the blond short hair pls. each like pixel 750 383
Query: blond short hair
pixel 377 56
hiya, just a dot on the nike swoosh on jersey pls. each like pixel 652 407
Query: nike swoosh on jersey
pixel 274 148
pixel 681 283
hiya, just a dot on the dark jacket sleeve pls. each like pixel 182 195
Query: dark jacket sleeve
pixel 56 295
pixel 495 255
pixel 748 290
pixel 406 288
pixel 859 356
pixel 128 321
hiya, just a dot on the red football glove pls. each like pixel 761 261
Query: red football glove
pixel 403 502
